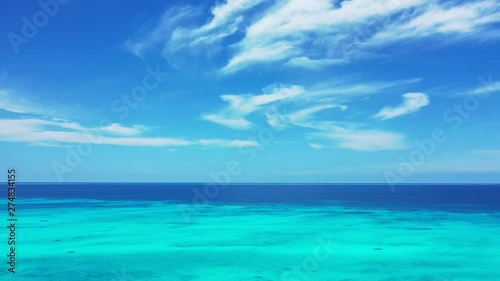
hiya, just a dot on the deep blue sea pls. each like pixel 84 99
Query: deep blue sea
pixel 425 196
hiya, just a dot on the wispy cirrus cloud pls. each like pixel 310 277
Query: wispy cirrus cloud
pixel 233 122
pixel 300 117
pixel 366 140
pixel 412 103
pixel 17 104
pixel 34 125
pixel 162 32
pixel 487 88
pixel 313 64
pixel 175 31
pixel 293 106
pixel 227 143
pixel 291 27
pixel 316 146
pixel 61 132
pixel 259 54
pixel 296 24
pixel 240 106
pixel 13 102
pixel 118 129
pixel 316 34
pixel 458 20
pixel 227 12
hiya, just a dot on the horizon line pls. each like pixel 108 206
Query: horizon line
pixel 261 183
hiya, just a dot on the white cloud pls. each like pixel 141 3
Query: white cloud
pixel 16 104
pixel 239 106
pixel 226 12
pixel 305 62
pixel 466 19
pixel 39 131
pixel 413 102
pixel 292 32
pixel 316 146
pixel 267 54
pixel 44 130
pixel 227 143
pixel 50 132
pixel 487 88
pixel 367 140
pixel 313 109
pixel 162 32
pixel 7 106
pixel 234 123
pixel 118 129
pixel 304 114
pixel 250 103
pixel 138 141
pixel 296 24
pixel 28 105
pixel 276 121
pixel 175 31
pixel 299 117
pixel 294 105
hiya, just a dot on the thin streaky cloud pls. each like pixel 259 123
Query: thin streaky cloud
pixel 162 32
pixel 412 102
pixel 175 30
pixel 489 88
pixel 11 103
pixel 227 143
pixel 314 64
pixel 46 132
pixel 118 129
pixel 301 102
pixel 461 21
pixel 366 140
pixel 291 33
pixel 300 117
pixel 240 106
pixel 238 123
pixel 225 12
pixel 316 146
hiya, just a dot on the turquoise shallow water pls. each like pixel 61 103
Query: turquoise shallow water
pixel 83 239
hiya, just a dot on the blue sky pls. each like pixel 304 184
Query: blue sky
pixel 251 91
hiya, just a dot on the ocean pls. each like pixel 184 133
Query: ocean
pixel 255 232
